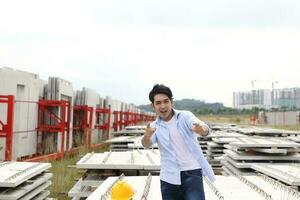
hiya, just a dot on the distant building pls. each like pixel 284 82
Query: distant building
pixel 287 97
pixel 250 99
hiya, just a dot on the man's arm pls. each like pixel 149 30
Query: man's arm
pixel 202 129
pixel 146 140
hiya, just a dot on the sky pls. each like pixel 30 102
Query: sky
pixel 201 49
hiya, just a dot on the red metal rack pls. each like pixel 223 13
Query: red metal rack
pixel 82 122
pixel 6 125
pixel 51 122
pixel 101 124
pixel 122 119
pixel 116 120
pixel 55 116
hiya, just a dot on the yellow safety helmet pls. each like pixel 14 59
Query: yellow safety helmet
pixel 121 191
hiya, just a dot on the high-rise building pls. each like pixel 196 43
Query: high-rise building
pixel 255 98
pixel 288 98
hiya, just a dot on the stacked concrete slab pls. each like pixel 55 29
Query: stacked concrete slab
pixel 24 86
pixel 213 146
pixel 137 144
pixel 287 173
pixel 126 160
pixel 247 151
pixel 130 131
pixel 265 131
pixel 216 147
pixel 294 138
pixel 101 165
pixel 128 138
pixel 122 143
pixel 24 180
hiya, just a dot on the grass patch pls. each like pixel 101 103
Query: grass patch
pixel 242 120
pixel 287 127
pixel 232 119
pixel 65 177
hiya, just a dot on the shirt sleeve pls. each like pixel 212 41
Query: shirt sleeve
pixel 192 119
pixel 153 137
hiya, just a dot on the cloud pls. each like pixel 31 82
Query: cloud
pixel 202 49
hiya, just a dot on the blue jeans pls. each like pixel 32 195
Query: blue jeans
pixel 191 187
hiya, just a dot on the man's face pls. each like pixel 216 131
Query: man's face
pixel 162 105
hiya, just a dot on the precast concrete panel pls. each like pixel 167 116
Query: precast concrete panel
pixel 225 187
pixel 24 188
pixel 284 172
pixel 109 103
pixel 64 91
pixel 59 89
pixel 37 191
pixel 24 86
pixel 91 100
pixel 134 160
pixel 245 156
pixel 15 173
pixel 253 142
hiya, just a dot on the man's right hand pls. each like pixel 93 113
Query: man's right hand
pixel 146 140
pixel 149 131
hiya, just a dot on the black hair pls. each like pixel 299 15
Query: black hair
pixel 160 89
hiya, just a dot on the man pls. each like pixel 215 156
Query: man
pixel 182 160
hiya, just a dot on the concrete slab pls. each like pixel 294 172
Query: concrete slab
pixel 137 127
pixel 24 188
pixel 225 187
pixel 294 138
pixel 226 140
pixel 238 164
pixel 137 160
pixel 245 156
pixel 129 132
pixel 42 195
pixel 288 173
pixel 15 173
pixel 264 142
pixel 80 191
pixel 138 184
pixel 36 191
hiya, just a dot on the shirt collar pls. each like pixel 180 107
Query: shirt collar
pixel 176 113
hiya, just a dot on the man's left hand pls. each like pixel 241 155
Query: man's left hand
pixel 197 128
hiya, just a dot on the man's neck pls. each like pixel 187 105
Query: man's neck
pixel 170 116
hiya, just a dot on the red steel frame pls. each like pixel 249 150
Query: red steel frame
pixel 116 120
pixel 82 117
pixel 82 120
pixel 100 124
pixel 122 118
pixel 61 124
pixel 6 129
